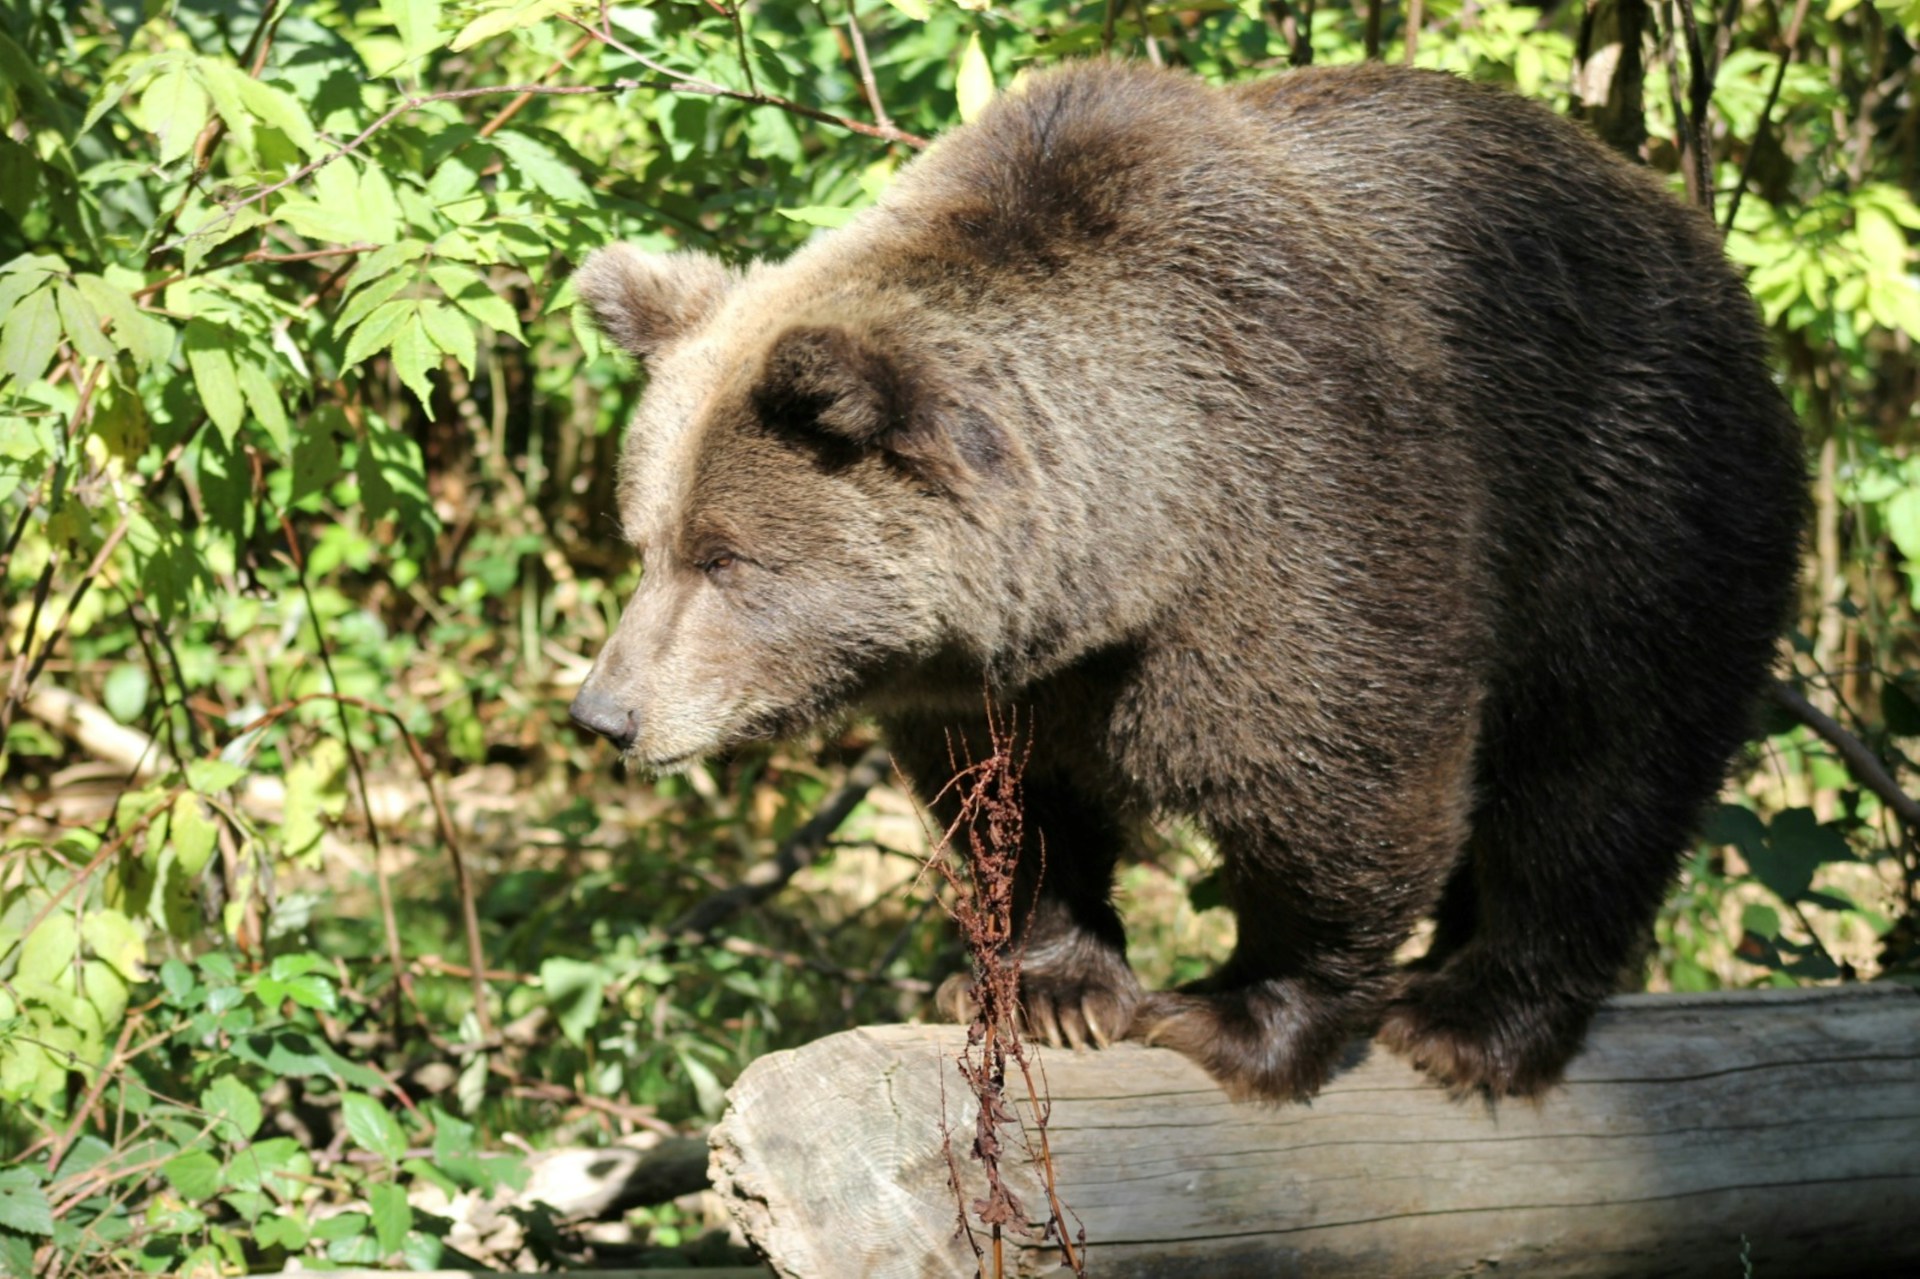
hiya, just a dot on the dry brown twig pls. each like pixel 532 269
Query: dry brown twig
pixel 978 856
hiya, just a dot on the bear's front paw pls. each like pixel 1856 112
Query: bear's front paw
pixel 1065 1014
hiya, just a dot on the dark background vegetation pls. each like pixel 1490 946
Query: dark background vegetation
pixel 314 915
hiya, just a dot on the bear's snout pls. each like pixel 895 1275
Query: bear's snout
pixel 598 713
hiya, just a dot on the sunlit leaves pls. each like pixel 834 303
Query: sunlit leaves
pixel 348 204
pixel 29 336
pixel 209 351
pixel 973 82
pixel 542 168
pixel 468 291
pixel 418 22
pixel 1842 252
pixel 174 109
pixel 502 18
pixel 372 1127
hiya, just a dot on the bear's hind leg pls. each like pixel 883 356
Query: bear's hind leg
pixel 1321 916
pixel 1572 850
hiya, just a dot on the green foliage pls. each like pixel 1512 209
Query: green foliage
pixel 304 478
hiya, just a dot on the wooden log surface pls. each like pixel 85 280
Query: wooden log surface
pixel 1789 1120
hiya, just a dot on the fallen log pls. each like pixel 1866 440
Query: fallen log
pixel 1694 1135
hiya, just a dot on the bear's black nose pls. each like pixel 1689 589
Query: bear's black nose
pixel 603 715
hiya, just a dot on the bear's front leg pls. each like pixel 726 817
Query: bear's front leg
pixel 1076 989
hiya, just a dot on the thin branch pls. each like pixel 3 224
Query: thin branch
pixel 769 877
pixel 860 59
pixel 675 84
pixel 463 885
pixel 1416 15
pixel 1699 99
pixel 24 671
pixel 679 82
pixel 257 255
pixel 1788 42
pixel 512 108
pixel 396 955
pixel 1866 766
pixel 740 39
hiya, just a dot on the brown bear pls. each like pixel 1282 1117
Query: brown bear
pixel 1367 465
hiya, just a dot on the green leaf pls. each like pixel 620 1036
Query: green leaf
pixel 23 1204
pixel 212 776
pixel 712 1097
pixel 392 1217
pixel 451 332
pixel 261 1165
pixel 193 1174
pixel 264 398
pixel 418 22
pixel 286 1230
pixel 378 333
pixel 973 82
pixel 46 954
pixel 316 462
pixel 819 215
pixel 314 790
pixel 540 166
pixel 1902 514
pixel 280 110
pixel 918 10
pixel 117 940
pixel 414 355
pixel 1796 846
pixel 393 480
pixel 380 214
pixel 1882 241
pixel 574 991
pixel 363 303
pixel 501 21
pixel 210 356
pixel 1760 920
pixel 81 323
pixel 129 330
pixel 174 109
pixel 469 291
pixel 371 1127
pixel 29 338
pixel 193 834
pixel 235 1106
pixel 125 691
pixel 221 81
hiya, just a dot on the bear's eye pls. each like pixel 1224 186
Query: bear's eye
pixel 715 565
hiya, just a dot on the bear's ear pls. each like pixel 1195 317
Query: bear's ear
pixel 826 378
pixel 643 300
pixel 850 389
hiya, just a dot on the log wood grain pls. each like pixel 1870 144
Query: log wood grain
pixel 1789 1120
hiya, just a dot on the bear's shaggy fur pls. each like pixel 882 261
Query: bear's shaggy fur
pixel 1367 465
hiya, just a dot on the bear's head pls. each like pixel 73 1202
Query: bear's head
pixel 786 483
